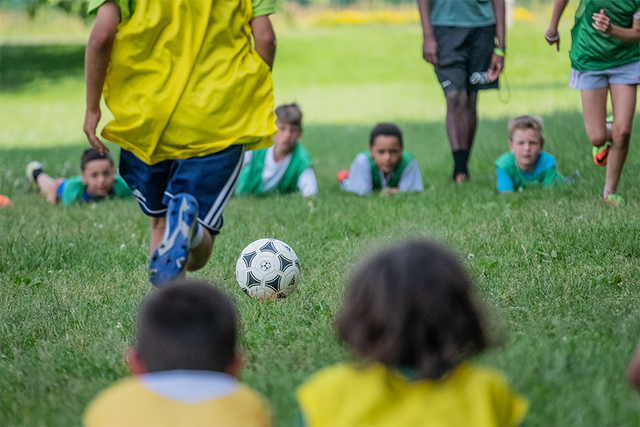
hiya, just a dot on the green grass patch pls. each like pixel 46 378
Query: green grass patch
pixel 558 268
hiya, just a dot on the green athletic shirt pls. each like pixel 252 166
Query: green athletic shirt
pixel 593 51
pixel 73 190
pixel 394 179
pixel 127 7
pixel 548 177
pixel 462 13
pixel 250 179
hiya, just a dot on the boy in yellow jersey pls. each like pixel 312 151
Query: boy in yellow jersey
pixel 189 95
pixel 185 365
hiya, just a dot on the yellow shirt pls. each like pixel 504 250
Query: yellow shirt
pixel 184 81
pixel 345 395
pixel 177 398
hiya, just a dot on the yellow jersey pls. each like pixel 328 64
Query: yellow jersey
pixel 372 395
pixel 177 398
pixel 184 81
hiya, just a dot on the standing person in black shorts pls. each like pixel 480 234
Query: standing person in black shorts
pixel 465 41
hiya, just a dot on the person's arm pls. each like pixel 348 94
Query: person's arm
pixel 411 180
pixel 97 56
pixel 307 183
pixel 359 181
pixel 265 38
pixel 497 61
pixel 602 23
pixel 552 36
pixel 504 181
pixel 429 45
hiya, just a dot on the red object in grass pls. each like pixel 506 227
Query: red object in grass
pixel 342 175
pixel 4 201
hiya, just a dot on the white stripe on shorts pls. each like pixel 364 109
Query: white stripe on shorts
pixel 215 212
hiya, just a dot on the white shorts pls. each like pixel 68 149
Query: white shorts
pixel 624 75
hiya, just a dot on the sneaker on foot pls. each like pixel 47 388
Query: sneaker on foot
pixel 170 257
pixel 600 154
pixel 614 200
pixel 31 176
pixel 342 175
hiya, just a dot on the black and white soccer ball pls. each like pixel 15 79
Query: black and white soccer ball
pixel 268 268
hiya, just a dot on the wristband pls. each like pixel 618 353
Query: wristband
pixel 499 52
pixel 549 39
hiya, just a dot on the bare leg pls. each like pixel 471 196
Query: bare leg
pixel 198 256
pixel 472 117
pixel 623 100
pixel 457 119
pixel 594 112
pixel 49 186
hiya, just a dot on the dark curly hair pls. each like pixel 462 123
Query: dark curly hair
pixel 386 129
pixel 412 306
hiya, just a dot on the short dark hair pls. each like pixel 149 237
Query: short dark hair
pixel 386 129
pixel 187 325
pixel 289 114
pixel 91 154
pixel 412 306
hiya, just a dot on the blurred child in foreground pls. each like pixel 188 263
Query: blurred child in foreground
pixel 184 365
pixel 385 166
pixel 526 164
pixel 285 167
pixel 97 181
pixel 410 319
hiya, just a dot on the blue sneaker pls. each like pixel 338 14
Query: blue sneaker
pixel 170 257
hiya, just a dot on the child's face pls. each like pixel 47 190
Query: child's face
pixel 286 137
pixel 386 152
pixel 526 145
pixel 98 176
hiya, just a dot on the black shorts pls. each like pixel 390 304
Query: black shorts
pixel 464 56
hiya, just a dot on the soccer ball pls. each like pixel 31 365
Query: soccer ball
pixel 268 268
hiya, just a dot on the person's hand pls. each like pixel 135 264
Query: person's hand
pixel 430 50
pixel 495 68
pixel 602 23
pixel 91 120
pixel 552 36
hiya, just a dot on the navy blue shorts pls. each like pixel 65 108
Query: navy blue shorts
pixel 210 179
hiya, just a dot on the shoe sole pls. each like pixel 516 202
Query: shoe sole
pixel 170 257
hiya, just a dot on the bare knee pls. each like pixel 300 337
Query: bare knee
pixel 621 134
pixel 158 223
pixel 597 139
pixel 456 101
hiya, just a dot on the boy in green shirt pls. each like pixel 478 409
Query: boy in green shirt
pixel 284 167
pixel 97 181
pixel 526 165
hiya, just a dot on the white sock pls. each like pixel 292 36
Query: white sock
pixel 197 237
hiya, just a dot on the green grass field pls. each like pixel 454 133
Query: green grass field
pixel 558 269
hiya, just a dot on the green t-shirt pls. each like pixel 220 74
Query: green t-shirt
pixel 593 51
pixel 127 7
pixel 396 175
pixel 462 13
pixel 74 190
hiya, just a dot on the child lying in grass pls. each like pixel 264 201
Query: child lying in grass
pixel 97 181
pixel 284 167
pixel 526 165
pixel 386 166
